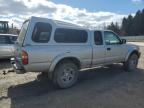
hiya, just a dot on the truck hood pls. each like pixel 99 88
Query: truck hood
pixel 132 46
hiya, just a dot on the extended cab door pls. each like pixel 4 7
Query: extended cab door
pixel 115 51
pixel 98 48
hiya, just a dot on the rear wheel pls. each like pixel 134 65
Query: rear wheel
pixel 65 74
pixel 131 63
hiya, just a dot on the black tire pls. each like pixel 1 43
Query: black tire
pixel 109 65
pixel 65 74
pixel 42 76
pixel 131 63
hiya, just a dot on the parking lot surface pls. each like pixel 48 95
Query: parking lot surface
pixel 105 87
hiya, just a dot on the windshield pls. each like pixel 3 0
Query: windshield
pixel 23 32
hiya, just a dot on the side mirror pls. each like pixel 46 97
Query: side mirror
pixel 123 41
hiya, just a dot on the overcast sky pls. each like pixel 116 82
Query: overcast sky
pixel 82 12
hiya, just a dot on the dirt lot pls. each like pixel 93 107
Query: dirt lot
pixel 98 88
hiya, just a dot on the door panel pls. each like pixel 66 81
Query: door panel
pixel 115 51
pixel 98 55
pixel 98 49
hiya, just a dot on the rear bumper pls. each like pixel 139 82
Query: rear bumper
pixel 17 66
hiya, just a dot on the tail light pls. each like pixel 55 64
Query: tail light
pixel 24 58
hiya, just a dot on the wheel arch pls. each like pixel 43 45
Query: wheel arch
pixel 59 60
pixel 132 52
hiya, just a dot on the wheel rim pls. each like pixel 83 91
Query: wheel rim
pixel 133 62
pixel 68 75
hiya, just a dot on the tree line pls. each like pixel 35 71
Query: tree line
pixel 130 26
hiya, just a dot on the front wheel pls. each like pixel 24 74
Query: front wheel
pixel 65 74
pixel 131 63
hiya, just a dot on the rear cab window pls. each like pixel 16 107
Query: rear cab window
pixel 98 39
pixel 6 39
pixel 12 39
pixel 42 32
pixel 2 40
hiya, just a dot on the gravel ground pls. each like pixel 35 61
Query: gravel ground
pixel 138 43
pixel 105 87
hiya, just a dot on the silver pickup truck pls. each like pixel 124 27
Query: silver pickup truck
pixel 61 49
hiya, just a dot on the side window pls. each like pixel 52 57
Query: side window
pixel 3 40
pixel 98 38
pixel 63 35
pixel 7 39
pixel 110 38
pixel 41 32
pixel 12 39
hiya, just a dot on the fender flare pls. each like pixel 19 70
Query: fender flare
pixel 59 58
pixel 130 52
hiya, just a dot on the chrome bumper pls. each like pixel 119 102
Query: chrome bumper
pixel 17 66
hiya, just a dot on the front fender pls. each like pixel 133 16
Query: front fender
pixel 129 53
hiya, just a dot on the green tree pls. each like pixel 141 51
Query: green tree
pixel 127 25
pixel 132 25
pixel 114 27
pixel 137 23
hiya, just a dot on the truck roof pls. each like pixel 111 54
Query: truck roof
pixel 101 30
pixel 58 23
pixel 64 24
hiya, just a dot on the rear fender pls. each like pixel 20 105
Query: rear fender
pixel 60 57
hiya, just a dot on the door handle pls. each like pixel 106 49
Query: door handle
pixel 108 49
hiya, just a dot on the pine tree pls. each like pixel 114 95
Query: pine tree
pixel 136 23
pixel 130 25
pixel 114 27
